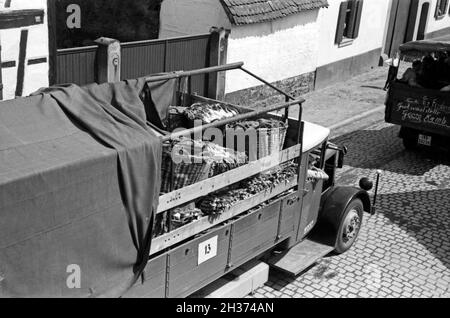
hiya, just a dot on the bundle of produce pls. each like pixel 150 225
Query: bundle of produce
pixel 175 218
pixel 223 159
pixel 161 225
pixel 209 112
pixel 217 203
pixel 267 181
pixel 315 174
pixel 270 135
pixel 184 216
pixel 187 161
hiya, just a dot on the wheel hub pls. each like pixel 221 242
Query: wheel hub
pixel 351 226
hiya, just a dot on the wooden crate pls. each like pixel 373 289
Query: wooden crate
pixel 191 229
pixel 254 233
pixel 187 272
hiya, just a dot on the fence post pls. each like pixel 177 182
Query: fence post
pixel 108 60
pixel 217 56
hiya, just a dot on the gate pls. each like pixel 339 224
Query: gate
pixel 142 58
pixel 156 56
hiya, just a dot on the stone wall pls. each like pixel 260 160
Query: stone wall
pixel 262 95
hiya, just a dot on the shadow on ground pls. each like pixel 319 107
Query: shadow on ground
pixel 373 149
pixel 423 215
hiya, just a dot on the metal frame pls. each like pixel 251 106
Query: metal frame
pixel 289 99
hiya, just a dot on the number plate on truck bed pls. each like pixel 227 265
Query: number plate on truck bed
pixel 207 250
pixel 424 140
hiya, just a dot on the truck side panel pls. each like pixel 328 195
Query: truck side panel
pixel 418 108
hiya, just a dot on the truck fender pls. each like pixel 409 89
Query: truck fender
pixel 333 205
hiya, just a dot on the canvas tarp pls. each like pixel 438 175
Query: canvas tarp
pixel 422 47
pixel 79 181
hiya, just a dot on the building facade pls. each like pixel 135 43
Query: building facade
pixel 297 44
pixel 310 45
pixel 24 42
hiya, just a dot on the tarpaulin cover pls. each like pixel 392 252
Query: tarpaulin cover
pixel 79 181
pixel 426 46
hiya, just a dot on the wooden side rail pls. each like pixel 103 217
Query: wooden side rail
pixel 180 234
pixel 202 188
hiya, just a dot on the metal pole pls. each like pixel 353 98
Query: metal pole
pixel 206 70
pixel 286 111
pixel 376 193
pixel 268 84
pixel 300 139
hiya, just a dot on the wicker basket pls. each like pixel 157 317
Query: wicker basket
pixel 195 167
pixel 176 175
pixel 269 140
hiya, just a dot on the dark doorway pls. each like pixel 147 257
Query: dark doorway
pixel 398 25
pixel 423 21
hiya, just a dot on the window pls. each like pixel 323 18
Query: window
pixel 348 21
pixel 441 8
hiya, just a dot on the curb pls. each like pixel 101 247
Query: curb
pixel 356 118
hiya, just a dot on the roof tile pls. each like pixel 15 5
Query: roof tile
pixel 255 11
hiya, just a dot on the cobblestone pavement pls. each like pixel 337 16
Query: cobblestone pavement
pixel 403 250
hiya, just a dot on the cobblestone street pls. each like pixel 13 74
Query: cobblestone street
pixel 403 250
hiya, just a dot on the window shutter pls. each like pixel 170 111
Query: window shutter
pixel 438 4
pixel 341 22
pixel 355 30
pixel 353 6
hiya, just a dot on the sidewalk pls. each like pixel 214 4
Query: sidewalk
pixel 356 103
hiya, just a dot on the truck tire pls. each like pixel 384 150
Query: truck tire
pixel 349 226
pixel 409 143
pixel 409 138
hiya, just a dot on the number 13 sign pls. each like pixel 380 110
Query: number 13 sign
pixel 207 250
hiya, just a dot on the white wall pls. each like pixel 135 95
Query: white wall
pixel 187 17
pixel 433 24
pixel 36 76
pixel 371 32
pixel 274 50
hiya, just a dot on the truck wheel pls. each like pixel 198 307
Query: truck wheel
pixel 409 138
pixel 409 143
pixel 350 224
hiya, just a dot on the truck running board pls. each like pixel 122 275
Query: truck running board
pixel 299 257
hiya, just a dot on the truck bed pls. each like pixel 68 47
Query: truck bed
pixel 418 108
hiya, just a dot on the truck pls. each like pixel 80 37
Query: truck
pixel 63 205
pixel 423 113
pixel 290 227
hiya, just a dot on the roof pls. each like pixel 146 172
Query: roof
pixel 313 135
pixel 255 11
pixel 430 45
